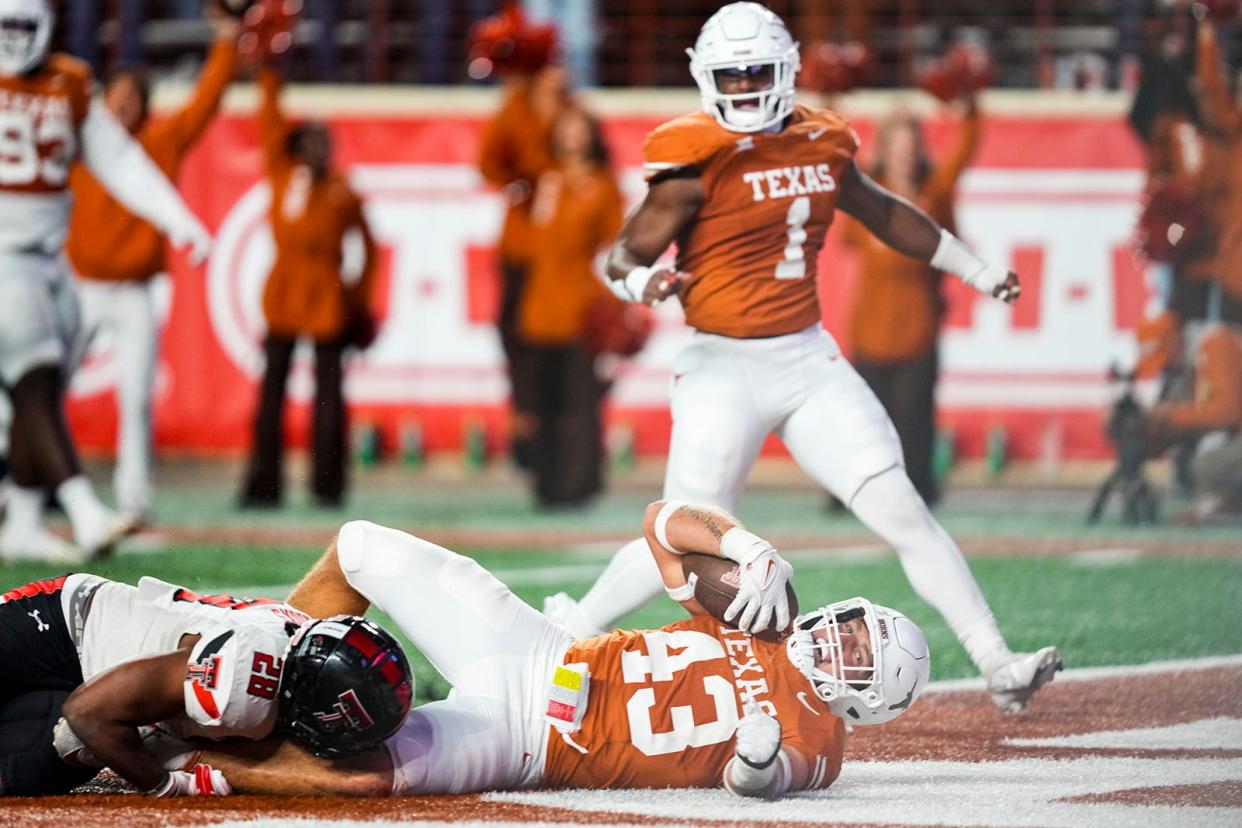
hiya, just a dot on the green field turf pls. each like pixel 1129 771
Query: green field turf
pixel 1123 610
pixel 1123 613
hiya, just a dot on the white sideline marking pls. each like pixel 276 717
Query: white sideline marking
pixel 1028 792
pixel 1105 557
pixel 1094 673
pixel 307 822
pixel 1206 734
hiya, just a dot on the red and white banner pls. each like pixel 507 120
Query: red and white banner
pixel 1057 197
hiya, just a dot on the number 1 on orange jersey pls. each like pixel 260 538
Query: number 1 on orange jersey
pixel 793 266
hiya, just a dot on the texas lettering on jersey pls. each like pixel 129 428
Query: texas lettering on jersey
pixel 769 198
pixel 40 115
pixel 664 705
pixel 787 182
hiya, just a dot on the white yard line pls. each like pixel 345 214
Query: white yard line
pixel 1095 673
pixel 1105 557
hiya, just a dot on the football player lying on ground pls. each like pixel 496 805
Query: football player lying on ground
pixel 697 703
pixel 115 658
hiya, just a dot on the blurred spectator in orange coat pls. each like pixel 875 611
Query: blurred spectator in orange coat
pixel 116 255
pixel 575 213
pixel 514 153
pixel 894 325
pixel 319 288
pixel 1213 414
pixel 1222 117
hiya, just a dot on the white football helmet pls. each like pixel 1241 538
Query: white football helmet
pixel 865 695
pixel 745 36
pixel 25 29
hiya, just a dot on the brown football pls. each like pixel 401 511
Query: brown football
pixel 715 587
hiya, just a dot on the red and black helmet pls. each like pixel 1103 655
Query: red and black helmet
pixel 345 688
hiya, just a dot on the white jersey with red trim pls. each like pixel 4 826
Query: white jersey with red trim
pixel 234 669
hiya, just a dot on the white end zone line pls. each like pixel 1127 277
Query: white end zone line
pixel 264 821
pixel 1096 673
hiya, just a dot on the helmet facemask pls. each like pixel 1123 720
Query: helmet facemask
pixel 861 694
pixel 25 28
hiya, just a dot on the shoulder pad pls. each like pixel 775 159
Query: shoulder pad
pixel 813 119
pixel 69 65
pixel 684 142
pixel 231 681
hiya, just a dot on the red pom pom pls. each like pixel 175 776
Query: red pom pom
pixel 267 29
pixel 1173 226
pixel 831 68
pixel 1222 11
pixel 616 327
pixel 508 42
pixel 963 72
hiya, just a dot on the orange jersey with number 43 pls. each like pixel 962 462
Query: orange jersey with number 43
pixel 768 201
pixel 664 704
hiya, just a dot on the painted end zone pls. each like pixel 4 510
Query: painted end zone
pixel 1156 745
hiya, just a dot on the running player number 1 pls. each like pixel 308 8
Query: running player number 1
pixel 793 266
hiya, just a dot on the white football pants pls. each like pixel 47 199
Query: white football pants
pixel 124 314
pixel 38 314
pixel 728 395
pixel 6 422
pixel 497 652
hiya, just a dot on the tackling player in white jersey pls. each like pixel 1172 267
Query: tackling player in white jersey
pixel 136 671
pixel 47 122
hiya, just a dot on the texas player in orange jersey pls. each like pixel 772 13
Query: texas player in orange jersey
pixel 747 189
pixel 48 121
pixel 693 704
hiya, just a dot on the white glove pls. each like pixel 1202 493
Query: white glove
pixel 203 780
pixel 193 236
pixel 758 737
pixel 764 574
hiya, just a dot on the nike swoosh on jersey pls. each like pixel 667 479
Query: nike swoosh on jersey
pixel 816 133
pixel 805 703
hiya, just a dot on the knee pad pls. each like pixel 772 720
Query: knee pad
pixel 368 549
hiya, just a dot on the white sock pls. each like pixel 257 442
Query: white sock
pixel 24 512
pixel 630 580
pixel 78 499
pixel 891 507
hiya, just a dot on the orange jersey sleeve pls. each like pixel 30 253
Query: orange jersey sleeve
pixel 768 201
pixel 106 241
pixel 175 134
pixel 273 127
pixel 664 704
pixel 43 113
